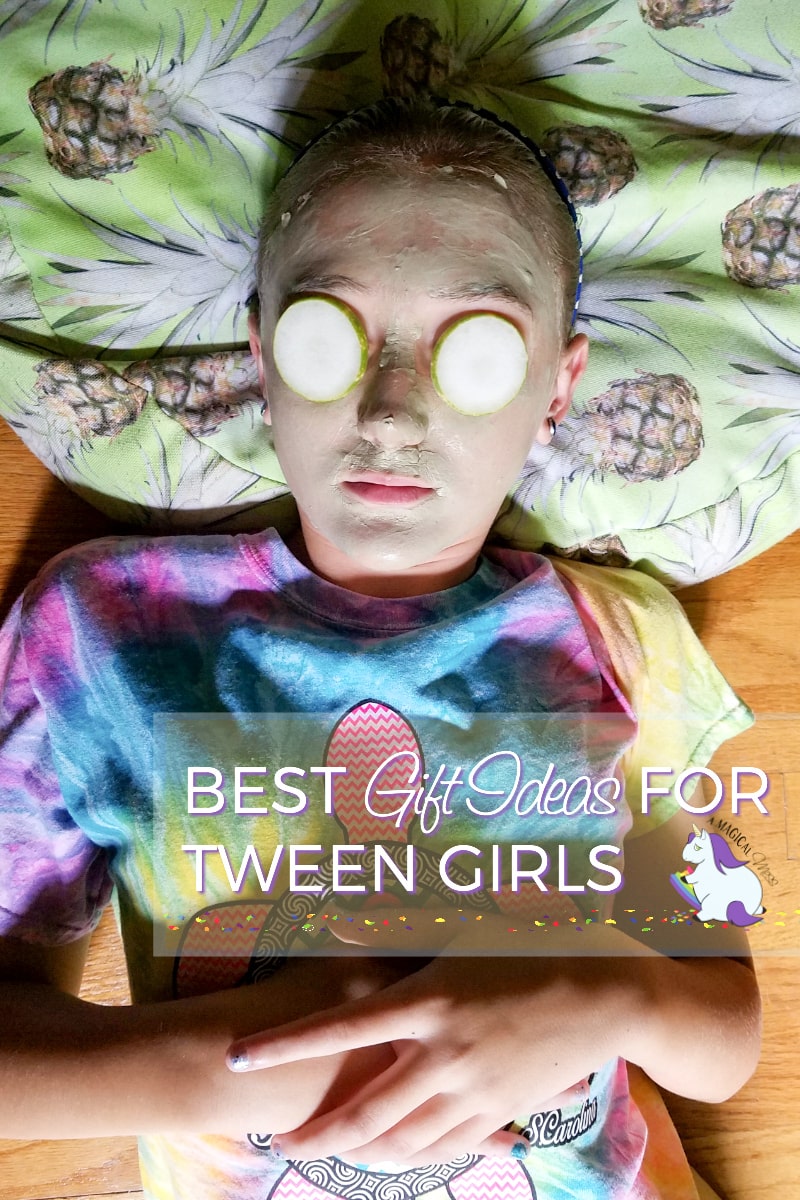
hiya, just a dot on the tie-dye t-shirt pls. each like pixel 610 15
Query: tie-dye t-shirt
pixel 117 633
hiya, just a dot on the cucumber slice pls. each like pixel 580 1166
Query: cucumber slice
pixel 320 348
pixel 479 363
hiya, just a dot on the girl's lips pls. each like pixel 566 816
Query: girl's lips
pixel 394 492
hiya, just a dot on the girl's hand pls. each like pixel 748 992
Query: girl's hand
pixel 478 1041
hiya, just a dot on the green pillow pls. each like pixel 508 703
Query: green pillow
pixel 135 154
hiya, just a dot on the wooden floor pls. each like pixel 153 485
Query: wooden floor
pixel 749 620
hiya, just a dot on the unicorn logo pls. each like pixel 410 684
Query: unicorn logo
pixel 724 886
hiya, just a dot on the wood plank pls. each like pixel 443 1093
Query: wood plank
pixel 747 619
pixel 80 1170
pixel 39 517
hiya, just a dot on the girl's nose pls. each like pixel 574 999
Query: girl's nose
pixel 392 410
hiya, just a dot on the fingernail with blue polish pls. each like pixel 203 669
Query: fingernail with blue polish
pixel 275 1149
pixel 520 1150
pixel 238 1061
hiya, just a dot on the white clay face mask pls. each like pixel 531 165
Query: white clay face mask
pixel 320 350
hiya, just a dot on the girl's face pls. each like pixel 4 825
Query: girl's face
pixel 410 258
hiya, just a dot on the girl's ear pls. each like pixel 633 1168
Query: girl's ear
pixel 571 367
pixel 254 334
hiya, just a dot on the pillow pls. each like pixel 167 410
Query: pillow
pixel 135 155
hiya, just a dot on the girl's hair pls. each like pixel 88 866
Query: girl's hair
pixel 400 138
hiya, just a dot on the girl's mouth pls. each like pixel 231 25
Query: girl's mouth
pixel 376 488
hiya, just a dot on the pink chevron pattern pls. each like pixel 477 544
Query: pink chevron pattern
pixel 216 948
pixel 364 738
pixel 493 1179
pixel 292 1186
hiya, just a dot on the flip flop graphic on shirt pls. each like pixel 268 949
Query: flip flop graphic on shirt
pixel 262 932
pixel 365 738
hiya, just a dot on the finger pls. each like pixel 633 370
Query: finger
pixel 503 1144
pixel 430 1134
pixel 471 1137
pixel 468 1138
pixel 385 1016
pixel 364 1128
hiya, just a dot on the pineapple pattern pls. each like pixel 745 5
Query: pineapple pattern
pixel 754 113
pixel 643 430
pixel 97 120
pixel 94 401
pixel 17 302
pixel 761 239
pixel 200 276
pixel 93 120
pixel 200 391
pixel 648 427
pixel 137 145
pixel 594 162
pixel 770 394
pixel 672 14
pixel 605 551
pixel 415 57
pixel 9 180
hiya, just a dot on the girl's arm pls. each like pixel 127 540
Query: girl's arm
pixel 69 1068
pixel 696 1029
pixel 72 1069
pixel 700 1033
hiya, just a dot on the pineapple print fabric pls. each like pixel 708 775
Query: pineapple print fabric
pixel 137 144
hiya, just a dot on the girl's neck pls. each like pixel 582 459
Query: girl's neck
pixel 451 566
